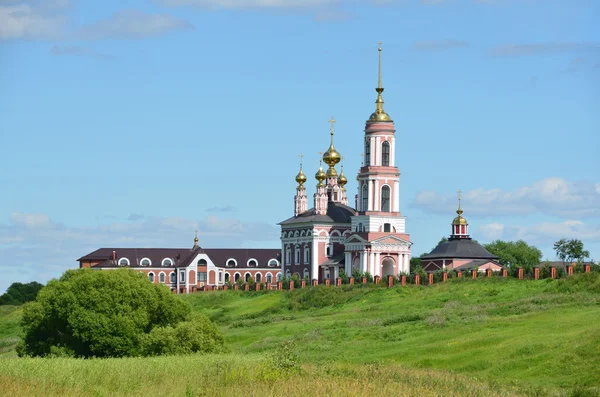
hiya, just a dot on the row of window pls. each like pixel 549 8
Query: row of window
pixel 385 198
pixel 385 153
pixel 387 227
pixel 288 254
pixel 162 277
pixel 251 263
pixel 146 262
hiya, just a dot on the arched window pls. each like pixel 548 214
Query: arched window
pixel 226 277
pixel 306 273
pixel 145 262
pixel 172 278
pixel 202 262
pixel 231 263
pixel 269 278
pixel 288 274
pixel 329 249
pixel 123 262
pixel 387 227
pixel 151 277
pixel 297 252
pixel 278 276
pixel 167 262
pixel 161 278
pixel 365 197
pixel 306 255
pixel 258 277
pixel 368 152
pixel 385 153
pixel 236 277
pixel 252 263
pixel 273 263
pixel 248 275
pixel 385 199
pixel 288 256
pixel 182 277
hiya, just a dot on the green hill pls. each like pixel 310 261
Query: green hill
pixel 463 337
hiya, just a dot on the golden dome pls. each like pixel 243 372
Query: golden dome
pixel 320 176
pixel 331 156
pixel 300 178
pixel 342 180
pixel 459 220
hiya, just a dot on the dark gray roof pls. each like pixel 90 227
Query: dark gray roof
pixel 460 248
pixel 339 259
pixel 179 256
pixel 336 213
pixel 475 264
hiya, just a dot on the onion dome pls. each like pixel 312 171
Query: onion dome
pixel 196 240
pixel 300 178
pixel 459 220
pixel 379 114
pixel 320 175
pixel 331 157
pixel 342 180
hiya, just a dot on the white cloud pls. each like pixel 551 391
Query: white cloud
pixel 34 247
pixel 132 24
pixel 492 231
pixel 553 196
pixel 36 21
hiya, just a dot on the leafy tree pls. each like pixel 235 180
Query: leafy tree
pixel 442 240
pixel 89 313
pixel 570 250
pixel 19 293
pixel 414 263
pixel 515 253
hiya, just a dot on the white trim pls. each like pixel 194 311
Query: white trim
pixel 202 259
pixel 149 262
pixel 162 263
pixel 231 259
pixel 267 274
pixel 255 263
pixel 164 275
pixel 123 259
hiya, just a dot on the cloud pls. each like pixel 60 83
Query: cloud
pixel 438 45
pixel 132 23
pixel 78 51
pixel 35 247
pixel 135 217
pixel 543 48
pixel 39 20
pixel 224 208
pixel 553 196
pixel 247 3
pixel 542 233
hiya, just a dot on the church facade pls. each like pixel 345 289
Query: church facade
pixel 317 243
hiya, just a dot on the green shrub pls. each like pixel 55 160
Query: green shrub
pixel 285 358
pixel 19 293
pixel 89 313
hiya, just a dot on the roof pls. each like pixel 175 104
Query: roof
pixel 220 256
pixel 475 264
pixel 460 248
pixel 179 256
pixel 336 213
pixel 339 259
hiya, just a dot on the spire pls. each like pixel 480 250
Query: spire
pixel 300 178
pixel 196 240
pixel 379 114
pixel 331 156
pixel 459 224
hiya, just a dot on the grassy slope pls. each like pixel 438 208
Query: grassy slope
pixel 529 333
pixel 9 329
pixel 498 337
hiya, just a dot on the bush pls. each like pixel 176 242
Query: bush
pixel 90 313
pixel 285 358
pixel 19 293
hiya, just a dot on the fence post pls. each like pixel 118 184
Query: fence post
pixel 246 287
pixel 377 279
pixel 338 282
pixel 489 272
pixel 552 272
pixel 315 282
pixel 520 273
pixel 351 281
pixel 403 279
pixel 459 274
pixel 430 278
pixel 364 280
pixel 504 272
pixel 587 268
pixel 327 282
pixel 390 281
pixel 303 284
pixel 445 276
pixel 280 286
pixel 570 270
pixel 474 273
pixel 536 273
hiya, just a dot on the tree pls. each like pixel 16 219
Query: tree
pixel 570 250
pixel 19 293
pixel 515 253
pixel 442 240
pixel 90 313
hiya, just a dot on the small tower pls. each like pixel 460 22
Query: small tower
pixel 331 158
pixel 300 199
pixel 460 227
pixel 320 196
pixel 196 241
pixel 342 181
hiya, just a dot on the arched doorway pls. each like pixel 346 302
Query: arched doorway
pixel 387 266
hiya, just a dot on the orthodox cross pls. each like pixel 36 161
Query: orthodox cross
pixel 301 155
pixel 332 122
pixel 320 157
pixel 459 198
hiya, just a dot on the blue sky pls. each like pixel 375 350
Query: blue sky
pixel 134 123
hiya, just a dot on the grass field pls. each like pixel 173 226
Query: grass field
pixel 461 338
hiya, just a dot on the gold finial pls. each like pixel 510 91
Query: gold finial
pixel 342 180
pixel 196 239
pixel 459 220
pixel 379 114
pixel 320 175
pixel 331 156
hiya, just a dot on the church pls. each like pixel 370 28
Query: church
pixel 317 243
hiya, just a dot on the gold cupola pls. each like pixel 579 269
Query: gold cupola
pixel 379 114
pixel 459 220
pixel 301 178
pixel 196 240
pixel 331 156
pixel 342 180
pixel 320 175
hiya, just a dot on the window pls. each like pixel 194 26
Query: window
pixel 247 278
pixel 329 249
pixel 297 251
pixel 145 262
pixel 202 262
pixel 368 152
pixel 123 262
pixel 172 278
pixel 258 277
pixel 161 278
pixel 359 228
pixel 288 256
pixel 387 227
pixel 231 263
pixel 385 153
pixel 306 273
pixel 201 276
pixel 288 274
pixel 269 278
pixel 236 277
pixel 278 276
pixel 252 263
pixel 182 277
pixel 273 263
pixel 151 277
pixel 306 255
pixel 226 277
pixel 385 199
pixel 167 262
pixel 365 197
pixel 220 276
